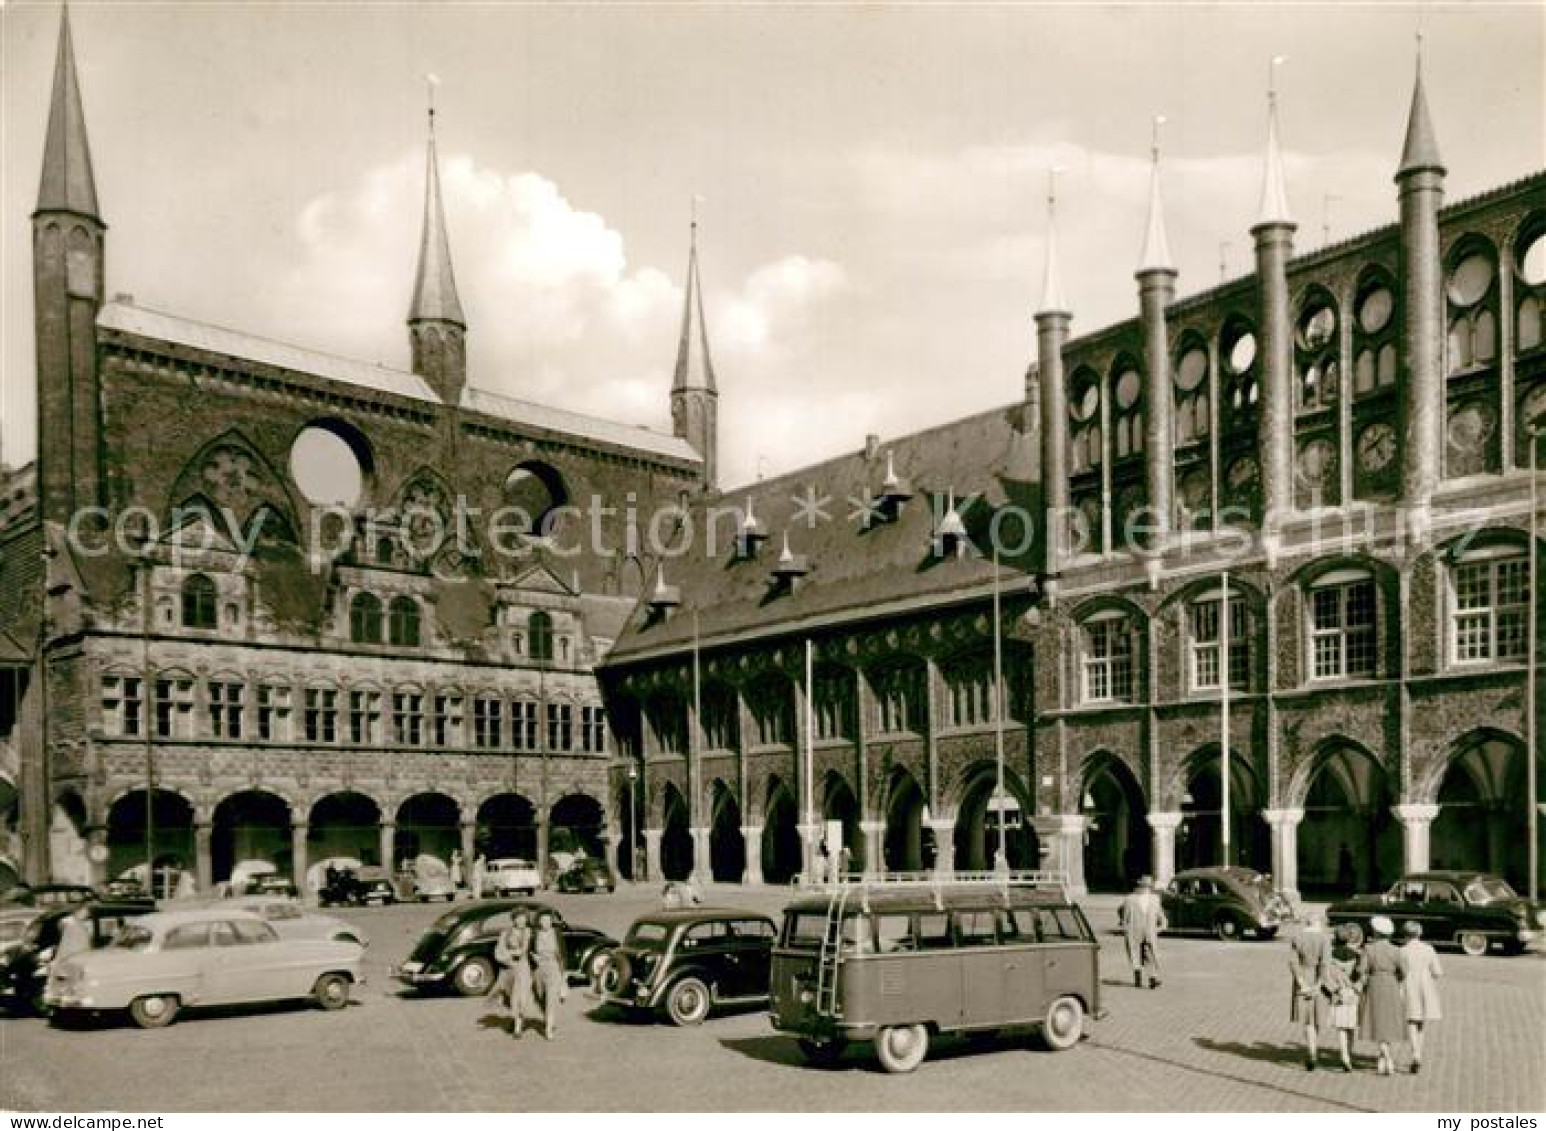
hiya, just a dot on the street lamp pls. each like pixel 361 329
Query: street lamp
pixel 633 831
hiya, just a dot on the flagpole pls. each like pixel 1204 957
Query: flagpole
pixel 1224 714
pixel 810 757
pixel 1001 862
pixel 695 752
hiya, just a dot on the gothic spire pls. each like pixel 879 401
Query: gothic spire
pixel 434 290
pixel 1156 248
pixel 694 368
pixel 1052 299
pixel 1274 196
pixel 67 184
pixel 1421 150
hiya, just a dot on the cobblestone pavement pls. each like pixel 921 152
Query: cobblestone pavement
pixel 1214 1037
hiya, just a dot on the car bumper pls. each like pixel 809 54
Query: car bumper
pixel 412 974
pixel 638 997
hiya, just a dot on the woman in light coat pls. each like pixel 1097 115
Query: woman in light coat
pixel 1420 974
pixel 548 964
pixel 1383 1017
pixel 513 952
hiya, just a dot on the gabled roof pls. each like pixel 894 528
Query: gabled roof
pixel 853 571
pixel 577 424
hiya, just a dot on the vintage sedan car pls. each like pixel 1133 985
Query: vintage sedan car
pixel 24 969
pixel 169 960
pixel 14 922
pixel 430 879
pixel 684 963
pixel 292 921
pixel 512 876
pixel 458 949
pixel 1473 910
pixel 584 874
pixel 1225 902
pixel 356 887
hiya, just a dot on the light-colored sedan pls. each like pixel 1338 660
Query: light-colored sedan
pixel 162 962
pixel 292 921
pixel 512 876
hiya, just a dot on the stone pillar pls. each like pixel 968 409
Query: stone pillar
pixel 752 835
pixel 944 845
pixel 1415 823
pixel 702 864
pixel 1156 291
pixel 1051 334
pixel 1274 245
pixel 1062 847
pixel 298 862
pixel 874 847
pixel 810 854
pixel 1163 854
pixel 1421 191
pixel 388 847
pixel 203 866
pixel 652 854
pixel 96 845
pixel 614 843
pixel 469 831
pixel 542 844
pixel 1285 849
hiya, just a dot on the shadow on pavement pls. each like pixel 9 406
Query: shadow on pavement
pixel 1255 1050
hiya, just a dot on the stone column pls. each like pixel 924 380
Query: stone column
pixel 1285 849
pixel 752 835
pixel 298 862
pixel 1274 241
pixel 1156 291
pixel 1420 184
pixel 652 854
pixel 944 845
pixel 810 854
pixel 96 845
pixel 614 843
pixel 388 847
pixel 1415 823
pixel 203 866
pixel 1051 334
pixel 1163 855
pixel 469 831
pixel 542 844
pixel 1062 847
pixel 874 847
pixel 702 864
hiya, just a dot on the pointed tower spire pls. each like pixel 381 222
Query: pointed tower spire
pixel 67 184
pixel 437 328
pixel 1274 197
pixel 694 393
pixel 1156 248
pixel 1421 150
pixel 1052 298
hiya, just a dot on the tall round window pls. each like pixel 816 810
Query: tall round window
pixel 1128 385
pixel 1532 264
pixel 1242 354
pixel 326 467
pixel 1374 310
pixel 535 491
pixel 1470 280
pixel 1191 370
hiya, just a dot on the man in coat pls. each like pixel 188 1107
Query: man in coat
pixel 1142 919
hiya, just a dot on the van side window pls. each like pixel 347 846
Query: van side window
pixel 893 933
pixel 856 934
pixel 1059 924
pixel 975 928
pixel 1026 926
pixel 934 931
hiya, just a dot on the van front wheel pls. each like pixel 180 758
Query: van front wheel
pixel 901 1048
pixel 1064 1024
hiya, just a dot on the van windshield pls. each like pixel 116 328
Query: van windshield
pixel 805 929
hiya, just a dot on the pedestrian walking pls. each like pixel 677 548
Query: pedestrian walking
pixel 548 969
pixel 845 860
pixel 479 876
pixel 1308 953
pixel 1340 985
pixel 1383 1016
pixel 513 953
pixel 74 936
pixel 1420 974
pixel 1142 919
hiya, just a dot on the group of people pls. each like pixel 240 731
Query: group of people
pixel 1376 990
pixel 532 971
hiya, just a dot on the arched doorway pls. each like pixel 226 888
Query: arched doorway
pixel 781 835
pixel 171 847
pixel 840 812
pixel 1117 847
pixel 1483 820
pixel 507 827
pixel 977 822
pixel 345 824
pixel 250 827
pixel 428 824
pixel 1349 841
pixel 675 836
pixel 579 826
pixel 906 850
pixel 727 847
pixel 1199 839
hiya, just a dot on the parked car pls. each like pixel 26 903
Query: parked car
pixel 1225 902
pixel 458 949
pixel 272 883
pixel 512 876
pixel 170 960
pixel 356 887
pixel 292 921
pixel 25 968
pixel 430 879
pixel 900 963
pixel 50 895
pixel 684 963
pixel 584 874
pixel 14 922
pixel 1476 911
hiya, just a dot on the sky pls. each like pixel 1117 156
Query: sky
pixel 872 179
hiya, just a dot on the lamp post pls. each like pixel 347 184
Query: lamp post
pixel 633 829
pixel 1001 858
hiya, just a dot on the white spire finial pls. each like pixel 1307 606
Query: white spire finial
pixel 1274 196
pixel 1156 247
pixel 1052 298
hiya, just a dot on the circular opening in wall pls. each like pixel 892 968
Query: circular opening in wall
pixel 1086 399
pixel 1374 310
pixel 329 465
pixel 1191 370
pixel 1532 264
pixel 1128 384
pixel 1470 280
pixel 1317 327
pixel 536 491
pixel 1242 355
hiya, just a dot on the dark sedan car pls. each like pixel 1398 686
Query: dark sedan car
pixel 50 895
pixel 686 962
pixel 356 887
pixel 24 970
pixel 1474 910
pixel 458 949
pixel 1225 902
pixel 587 874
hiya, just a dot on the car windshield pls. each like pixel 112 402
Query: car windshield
pixel 1489 890
pixel 648 936
pixel 130 937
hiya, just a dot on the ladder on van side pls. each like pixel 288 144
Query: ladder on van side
pixel 831 954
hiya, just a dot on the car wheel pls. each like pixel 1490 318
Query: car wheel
pixel 688 1002
pixel 1064 1024
pixel 474 977
pixel 615 975
pixel 825 1052
pixel 331 991
pixel 154 1011
pixel 1474 943
pixel 901 1048
pixel 596 967
pixel 1227 928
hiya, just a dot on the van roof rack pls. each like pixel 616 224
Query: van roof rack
pixel 934 882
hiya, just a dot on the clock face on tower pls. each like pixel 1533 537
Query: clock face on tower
pixel 1376 447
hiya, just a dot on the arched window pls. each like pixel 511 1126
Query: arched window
pixel 1375 331
pixel 1471 289
pixel 365 619
pixel 1127 393
pixel 1316 350
pixel 1084 409
pixel 539 637
pixel 1489 594
pixel 1530 287
pixel 403 622
pixel 199 602
pixel 1206 639
pixel 1342 611
pixel 1191 381
pixel 1241 390
pixel 1107 655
